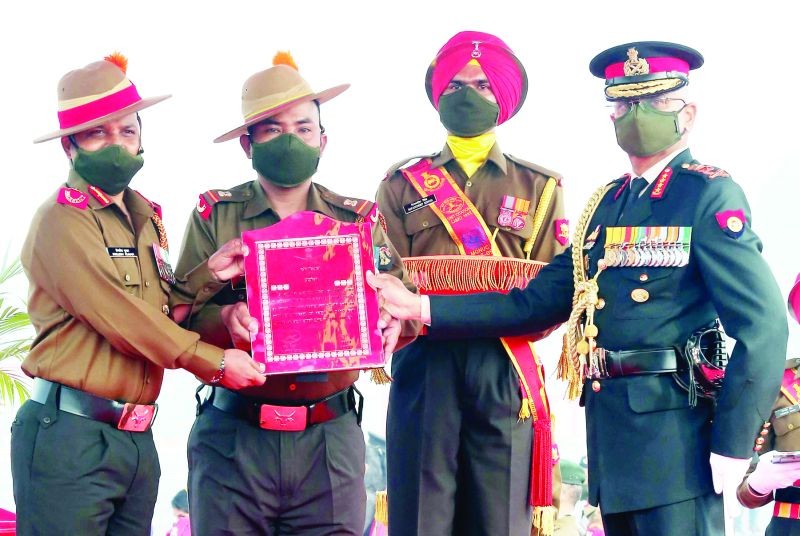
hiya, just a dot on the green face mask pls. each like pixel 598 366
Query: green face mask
pixel 286 160
pixel 645 131
pixel 110 168
pixel 465 113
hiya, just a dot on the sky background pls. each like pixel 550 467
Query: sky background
pixel 202 52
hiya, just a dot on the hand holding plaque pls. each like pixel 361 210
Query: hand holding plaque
pixel 306 287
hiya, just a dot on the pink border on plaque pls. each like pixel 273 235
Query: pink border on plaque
pixel 338 338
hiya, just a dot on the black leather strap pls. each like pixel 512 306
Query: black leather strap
pixel 78 402
pixel 614 364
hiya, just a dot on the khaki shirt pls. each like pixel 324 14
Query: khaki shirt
pixel 422 232
pixel 245 208
pixel 101 321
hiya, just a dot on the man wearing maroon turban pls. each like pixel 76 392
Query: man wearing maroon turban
pixel 467 219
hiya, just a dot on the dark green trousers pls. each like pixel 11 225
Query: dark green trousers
pixel 245 481
pixel 458 457
pixel 701 516
pixel 75 476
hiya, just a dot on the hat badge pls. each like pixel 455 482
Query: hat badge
pixel 634 65
pixel 476 52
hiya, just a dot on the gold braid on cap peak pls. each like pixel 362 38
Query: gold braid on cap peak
pixel 119 60
pixel 579 340
pixel 641 89
pixel 284 58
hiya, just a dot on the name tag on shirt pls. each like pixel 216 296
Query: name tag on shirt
pixel 121 252
pixel 419 203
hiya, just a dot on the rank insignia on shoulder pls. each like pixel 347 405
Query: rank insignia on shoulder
pixel 100 195
pixel 732 222
pixel 203 207
pixel 561 231
pixel 350 203
pixel 72 197
pixel 709 171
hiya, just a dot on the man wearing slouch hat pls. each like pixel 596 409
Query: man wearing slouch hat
pixel 467 219
pixel 249 474
pixel 660 257
pixel 101 288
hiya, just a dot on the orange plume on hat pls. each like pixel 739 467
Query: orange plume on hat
pixel 285 58
pixel 119 60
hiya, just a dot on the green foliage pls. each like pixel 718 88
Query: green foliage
pixel 15 341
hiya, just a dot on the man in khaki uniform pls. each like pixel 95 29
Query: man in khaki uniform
pixel 247 476
pixel 458 453
pixel 82 453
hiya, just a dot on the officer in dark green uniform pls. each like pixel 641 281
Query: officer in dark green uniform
pixel 654 260
pixel 248 476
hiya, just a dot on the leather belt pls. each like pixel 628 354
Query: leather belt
pixel 124 416
pixel 281 417
pixel 615 364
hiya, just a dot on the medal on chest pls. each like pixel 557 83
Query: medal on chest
pixel 513 212
pixel 165 271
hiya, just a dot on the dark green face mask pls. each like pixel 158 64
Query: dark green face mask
pixel 286 160
pixel 645 131
pixel 110 168
pixel 465 113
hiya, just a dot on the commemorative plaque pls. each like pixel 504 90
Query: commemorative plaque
pixel 307 288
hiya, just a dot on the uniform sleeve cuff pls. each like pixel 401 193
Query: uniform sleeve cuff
pixel 749 498
pixel 202 359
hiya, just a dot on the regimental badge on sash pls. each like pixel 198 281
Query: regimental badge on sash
pixel 513 212
pixel 732 222
pixel 657 246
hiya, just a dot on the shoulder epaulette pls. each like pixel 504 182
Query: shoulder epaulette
pixel 535 167
pixel 153 204
pixel 710 172
pixel 362 207
pixel 73 198
pixel 207 200
pixel 398 165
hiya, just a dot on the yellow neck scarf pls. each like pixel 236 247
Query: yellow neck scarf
pixel 471 153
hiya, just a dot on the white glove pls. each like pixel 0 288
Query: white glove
pixel 769 476
pixel 727 473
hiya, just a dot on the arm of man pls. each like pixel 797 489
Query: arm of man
pixel 204 316
pixel 547 300
pixel 91 292
pixel 750 306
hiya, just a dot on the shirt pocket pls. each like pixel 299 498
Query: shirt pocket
pixel 421 221
pixel 787 424
pixel 129 274
pixel 641 292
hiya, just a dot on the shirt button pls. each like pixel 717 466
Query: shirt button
pixel 127 277
pixel 46 420
pixel 425 224
pixel 292 387
pixel 643 277
pixel 469 183
pixel 147 283
pixel 790 426
pixel 165 309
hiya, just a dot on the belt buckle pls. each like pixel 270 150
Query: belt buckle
pixel 137 417
pixel 283 418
